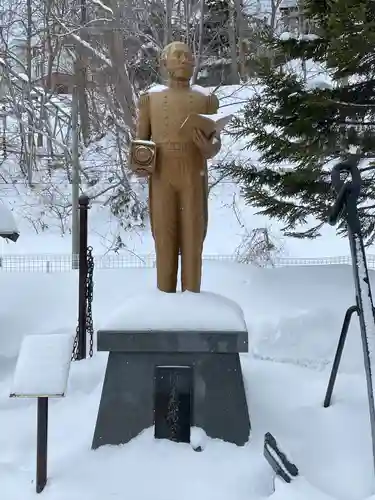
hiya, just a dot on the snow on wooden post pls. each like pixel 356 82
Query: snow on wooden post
pixel 8 227
pixel 42 372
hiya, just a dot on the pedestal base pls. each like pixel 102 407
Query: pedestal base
pixel 203 331
pixel 127 402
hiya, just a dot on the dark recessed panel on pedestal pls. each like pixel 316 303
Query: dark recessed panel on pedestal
pixel 173 402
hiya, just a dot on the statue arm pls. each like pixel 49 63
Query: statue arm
pixel 216 145
pixel 213 106
pixel 143 131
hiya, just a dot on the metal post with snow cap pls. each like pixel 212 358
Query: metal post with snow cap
pixel 348 191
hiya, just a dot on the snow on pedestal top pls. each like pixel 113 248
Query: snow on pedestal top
pixel 178 312
pixel 43 366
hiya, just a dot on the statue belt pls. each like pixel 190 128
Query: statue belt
pixel 176 147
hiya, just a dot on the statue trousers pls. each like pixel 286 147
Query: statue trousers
pixel 178 195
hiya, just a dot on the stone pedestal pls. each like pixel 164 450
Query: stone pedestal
pixel 127 401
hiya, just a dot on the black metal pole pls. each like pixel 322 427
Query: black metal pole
pixel 41 449
pixel 365 307
pixel 336 363
pixel 82 284
pixel 346 204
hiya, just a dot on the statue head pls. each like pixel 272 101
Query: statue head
pixel 178 61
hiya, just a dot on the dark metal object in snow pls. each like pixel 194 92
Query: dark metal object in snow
pixel 278 460
pixel 340 346
pixel 10 235
pixel 85 287
pixel 41 444
pixel 348 192
pixel 173 403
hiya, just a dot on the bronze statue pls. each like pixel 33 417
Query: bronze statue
pixel 178 185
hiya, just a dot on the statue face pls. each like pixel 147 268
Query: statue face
pixel 180 62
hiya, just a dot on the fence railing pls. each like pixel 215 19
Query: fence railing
pixel 59 263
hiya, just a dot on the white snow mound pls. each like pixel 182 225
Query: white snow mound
pixel 157 310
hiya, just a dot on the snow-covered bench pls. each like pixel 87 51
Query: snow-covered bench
pixel 8 227
pixel 42 372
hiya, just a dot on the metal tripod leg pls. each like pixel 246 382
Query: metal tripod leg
pixel 336 362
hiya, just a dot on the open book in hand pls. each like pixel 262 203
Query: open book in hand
pixel 208 124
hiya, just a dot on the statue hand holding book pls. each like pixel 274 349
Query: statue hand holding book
pixel 204 131
pixel 208 147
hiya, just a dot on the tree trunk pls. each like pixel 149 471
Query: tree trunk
pixel 124 91
pixel 187 20
pixel 241 42
pixel 75 179
pixel 29 145
pixel 274 8
pixel 168 22
pixel 232 33
pixel 198 56
pixel 301 32
pixel 81 79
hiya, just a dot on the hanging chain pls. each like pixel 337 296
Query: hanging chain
pixel 89 297
pixel 75 346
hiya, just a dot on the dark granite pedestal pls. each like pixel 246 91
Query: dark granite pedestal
pixel 127 401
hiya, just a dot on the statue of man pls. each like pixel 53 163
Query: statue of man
pixel 178 188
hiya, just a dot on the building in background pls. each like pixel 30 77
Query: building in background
pixel 53 71
pixel 293 17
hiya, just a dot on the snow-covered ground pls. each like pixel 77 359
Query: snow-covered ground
pixel 293 316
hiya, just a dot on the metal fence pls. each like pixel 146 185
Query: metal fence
pixel 59 263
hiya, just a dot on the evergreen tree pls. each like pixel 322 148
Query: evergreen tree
pixel 300 128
